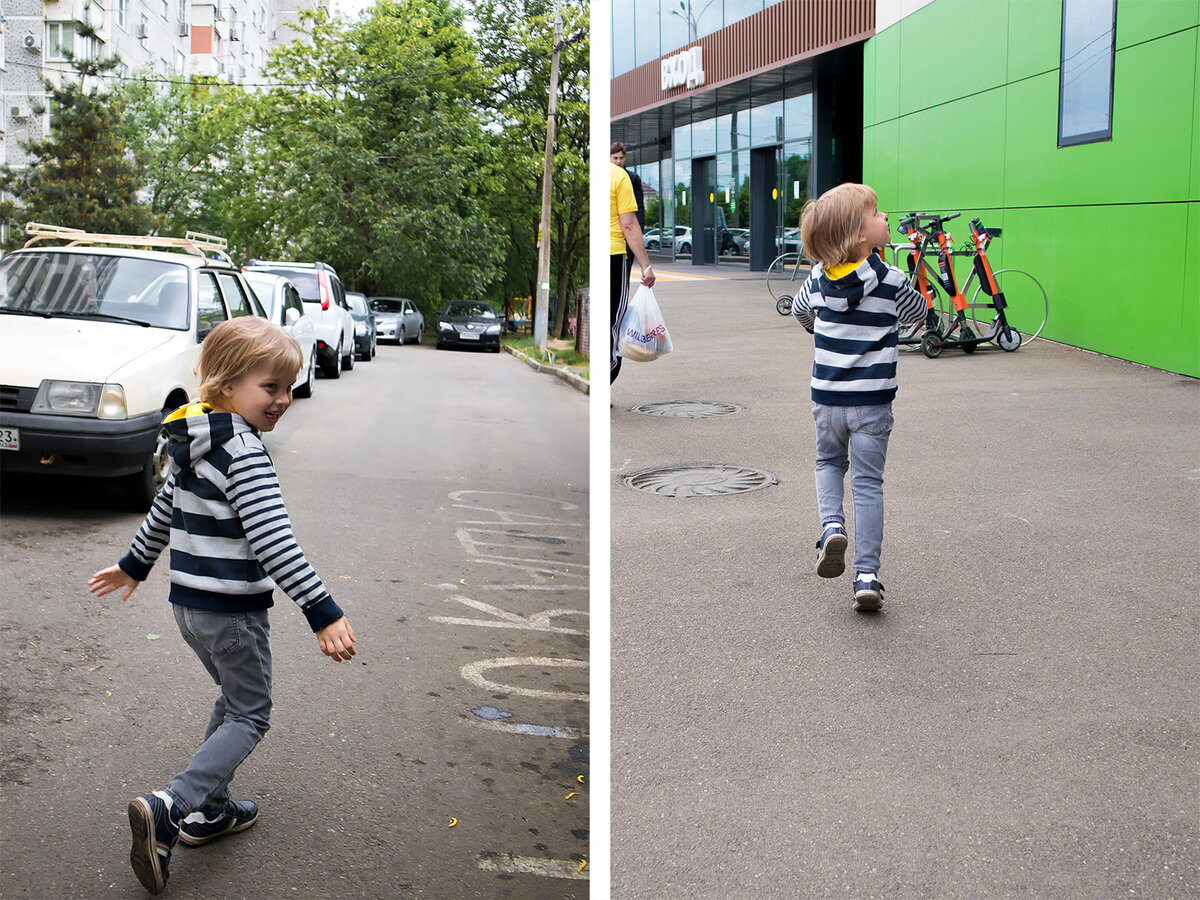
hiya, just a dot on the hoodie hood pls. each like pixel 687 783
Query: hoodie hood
pixel 845 293
pixel 197 428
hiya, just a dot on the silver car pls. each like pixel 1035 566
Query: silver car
pixel 397 319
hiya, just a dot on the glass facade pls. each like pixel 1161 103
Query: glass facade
pixel 644 30
pixel 704 163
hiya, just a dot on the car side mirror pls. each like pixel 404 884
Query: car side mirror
pixel 291 316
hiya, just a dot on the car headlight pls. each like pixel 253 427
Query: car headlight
pixel 445 326
pixel 492 329
pixel 360 328
pixel 80 398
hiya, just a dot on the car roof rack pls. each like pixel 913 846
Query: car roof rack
pixel 194 242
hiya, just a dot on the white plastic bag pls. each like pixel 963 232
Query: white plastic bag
pixel 644 336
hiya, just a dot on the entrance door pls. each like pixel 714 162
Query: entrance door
pixel 704 215
pixel 764 206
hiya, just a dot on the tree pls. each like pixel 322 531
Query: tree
pixel 374 159
pixel 516 40
pixel 83 173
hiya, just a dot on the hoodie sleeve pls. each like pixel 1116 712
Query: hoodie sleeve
pixel 253 492
pixel 152 538
pixel 802 303
pixel 910 305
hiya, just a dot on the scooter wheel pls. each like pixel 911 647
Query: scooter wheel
pixel 783 305
pixel 969 340
pixel 931 344
pixel 1010 343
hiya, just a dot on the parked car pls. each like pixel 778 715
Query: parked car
pixel 397 319
pixel 284 307
pixel 365 341
pixel 325 300
pixel 739 241
pixel 652 239
pixel 469 323
pixel 98 343
pixel 683 239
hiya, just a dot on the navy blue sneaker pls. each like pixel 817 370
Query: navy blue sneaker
pixel 210 822
pixel 155 830
pixel 868 593
pixel 831 551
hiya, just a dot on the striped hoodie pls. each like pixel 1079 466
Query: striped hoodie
pixel 854 321
pixel 222 513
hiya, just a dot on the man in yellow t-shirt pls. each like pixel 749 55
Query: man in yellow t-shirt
pixel 623 230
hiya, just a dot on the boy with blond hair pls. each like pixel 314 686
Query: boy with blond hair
pixel 231 544
pixel 851 302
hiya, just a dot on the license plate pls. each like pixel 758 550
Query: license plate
pixel 10 439
pixel 469 336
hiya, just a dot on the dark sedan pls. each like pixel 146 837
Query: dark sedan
pixel 469 323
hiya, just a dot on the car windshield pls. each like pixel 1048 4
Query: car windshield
pixel 100 286
pixel 305 281
pixel 471 308
pixel 387 306
pixel 358 303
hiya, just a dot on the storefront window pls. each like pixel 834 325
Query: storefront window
pixel 682 142
pixel 683 195
pixel 736 10
pixel 732 130
pixel 765 125
pixel 797 118
pixel 704 137
pixel 796 158
pixel 650 194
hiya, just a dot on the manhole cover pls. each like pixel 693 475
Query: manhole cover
pixel 700 481
pixel 687 409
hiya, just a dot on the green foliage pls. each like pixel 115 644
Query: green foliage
pixel 517 40
pixel 83 174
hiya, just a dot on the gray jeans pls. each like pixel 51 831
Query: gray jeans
pixel 235 648
pixel 854 438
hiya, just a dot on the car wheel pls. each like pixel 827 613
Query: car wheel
pixel 146 484
pixel 685 248
pixel 401 339
pixel 348 359
pixel 334 368
pixel 420 334
pixel 306 389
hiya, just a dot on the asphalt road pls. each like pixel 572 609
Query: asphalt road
pixel 443 498
pixel 1022 718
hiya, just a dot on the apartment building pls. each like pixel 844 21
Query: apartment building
pixel 157 39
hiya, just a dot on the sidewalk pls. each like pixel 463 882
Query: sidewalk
pixel 1022 717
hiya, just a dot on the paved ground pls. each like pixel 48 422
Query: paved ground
pixel 1021 720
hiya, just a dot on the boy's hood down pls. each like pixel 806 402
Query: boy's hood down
pixel 845 293
pixel 197 428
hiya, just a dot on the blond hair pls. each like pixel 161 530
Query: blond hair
pixel 831 226
pixel 237 346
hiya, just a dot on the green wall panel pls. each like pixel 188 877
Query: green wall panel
pixel 935 68
pixel 1034 37
pixel 882 94
pixel 1153 19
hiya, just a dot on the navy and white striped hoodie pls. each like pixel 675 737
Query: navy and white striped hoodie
pixel 222 513
pixel 853 319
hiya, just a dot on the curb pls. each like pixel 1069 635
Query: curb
pixel 569 377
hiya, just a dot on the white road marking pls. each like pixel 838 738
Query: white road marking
pixel 473 672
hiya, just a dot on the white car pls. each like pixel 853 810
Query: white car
pixel 397 319
pixel 283 306
pixel 98 343
pixel 325 300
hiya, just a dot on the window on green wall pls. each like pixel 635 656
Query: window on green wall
pixel 1085 81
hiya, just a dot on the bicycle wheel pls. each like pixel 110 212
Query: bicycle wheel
pixel 1028 306
pixel 785 275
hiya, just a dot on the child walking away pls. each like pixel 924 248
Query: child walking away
pixel 852 301
pixel 231 544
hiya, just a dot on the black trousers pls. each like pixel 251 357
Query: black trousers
pixel 618 300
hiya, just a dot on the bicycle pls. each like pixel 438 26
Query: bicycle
pixel 784 279
pixel 923 229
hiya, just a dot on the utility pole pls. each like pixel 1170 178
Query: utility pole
pixel 541 324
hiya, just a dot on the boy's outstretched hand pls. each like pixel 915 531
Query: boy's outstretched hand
pixel 111 579
pixel 337 639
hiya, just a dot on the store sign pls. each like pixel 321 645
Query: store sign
pixel 684 68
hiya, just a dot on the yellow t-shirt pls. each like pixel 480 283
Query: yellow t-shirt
pixel 622 201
